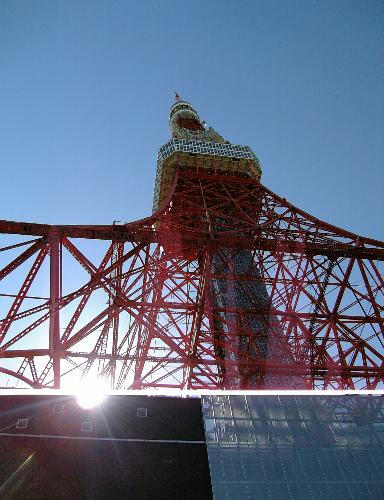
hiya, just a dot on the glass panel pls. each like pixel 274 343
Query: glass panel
pixel 279 491
pixel 282 433
pixel 295 447
pixel 239 407
pixel 244 431
pixel 272 465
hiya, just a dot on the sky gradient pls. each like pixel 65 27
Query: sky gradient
pixel 86 86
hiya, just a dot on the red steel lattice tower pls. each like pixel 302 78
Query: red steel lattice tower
pixel 225 286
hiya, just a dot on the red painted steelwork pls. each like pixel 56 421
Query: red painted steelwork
pixel 140 311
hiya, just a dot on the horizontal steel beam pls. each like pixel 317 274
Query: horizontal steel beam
pixel 196 241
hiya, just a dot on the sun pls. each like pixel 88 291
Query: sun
pixel 91 393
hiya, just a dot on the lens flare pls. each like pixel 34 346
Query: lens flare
pixel 90 394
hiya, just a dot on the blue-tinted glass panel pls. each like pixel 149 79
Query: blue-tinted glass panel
pixel 295 447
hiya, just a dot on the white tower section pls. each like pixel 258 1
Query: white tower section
pixel 185 123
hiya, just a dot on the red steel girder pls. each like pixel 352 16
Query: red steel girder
pixel 148 312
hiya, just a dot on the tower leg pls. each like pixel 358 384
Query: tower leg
pixel 54 318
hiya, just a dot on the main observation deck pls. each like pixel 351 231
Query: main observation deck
pixel 183 153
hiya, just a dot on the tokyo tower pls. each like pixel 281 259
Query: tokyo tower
pixel 225 286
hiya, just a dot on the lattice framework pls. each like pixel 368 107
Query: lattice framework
pixel 135 303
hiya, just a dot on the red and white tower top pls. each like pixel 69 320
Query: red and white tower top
pixel 185 123
pixel 194 145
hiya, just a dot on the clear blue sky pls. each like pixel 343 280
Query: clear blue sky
pixel 85 89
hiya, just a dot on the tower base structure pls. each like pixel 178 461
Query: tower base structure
pixel 226 286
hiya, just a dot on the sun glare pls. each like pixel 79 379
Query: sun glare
pixel 90 394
